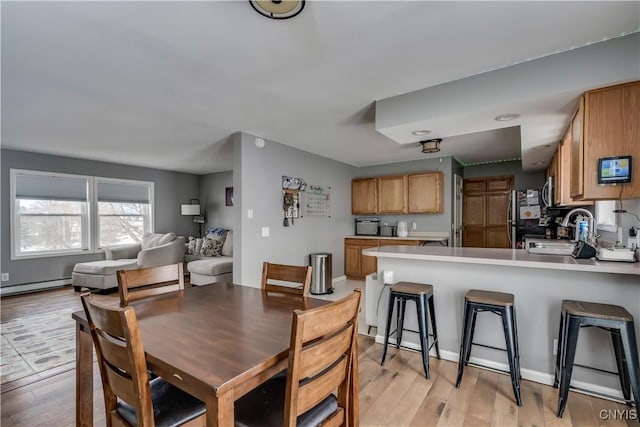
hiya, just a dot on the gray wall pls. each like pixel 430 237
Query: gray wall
pixel 626 221
pixel 522 180
pixel 424 222
pixel 212 197
pixel 171 190
pixel 257 182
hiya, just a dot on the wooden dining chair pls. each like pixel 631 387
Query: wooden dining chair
pixel 130 399
pixel 321 385
pixel 299 276
pixel 147 282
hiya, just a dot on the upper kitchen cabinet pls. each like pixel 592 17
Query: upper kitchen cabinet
pixel 364 196
pixel 607 123
pixel 562 175
pixel 392 194
pixel 425 192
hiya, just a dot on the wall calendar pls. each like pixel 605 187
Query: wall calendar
pixel 317 201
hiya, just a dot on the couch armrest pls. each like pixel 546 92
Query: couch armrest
pixel 122 252
pixel 169 253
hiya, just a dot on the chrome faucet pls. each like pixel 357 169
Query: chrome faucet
pixel 592 222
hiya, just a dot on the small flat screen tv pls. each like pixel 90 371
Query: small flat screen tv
pixel 614 170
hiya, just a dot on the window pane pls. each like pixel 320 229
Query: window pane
pixel 113 208
pixel 30 206
pixel 118 230
pixel 50 233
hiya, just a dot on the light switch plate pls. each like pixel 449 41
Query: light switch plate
pixel 249 213
pixel 5 277
pixel 265 231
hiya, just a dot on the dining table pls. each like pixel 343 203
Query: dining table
pixel 216 342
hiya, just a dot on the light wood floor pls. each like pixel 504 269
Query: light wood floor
pixel 397 394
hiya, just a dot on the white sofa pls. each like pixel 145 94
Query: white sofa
pixel 154 250
pixel 205 270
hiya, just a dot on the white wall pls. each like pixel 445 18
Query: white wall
pixel 257 181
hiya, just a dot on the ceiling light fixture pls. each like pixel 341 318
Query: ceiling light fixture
pixel 506 117
pixel 542 147
pixel 539 163
pixel 421 132
pixel 431 145
pixel 278 9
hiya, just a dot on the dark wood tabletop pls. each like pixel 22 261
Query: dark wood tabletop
pixel 216 342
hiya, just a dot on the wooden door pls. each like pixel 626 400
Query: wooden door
pixel 364 196
pixel 473 210
pixel 485 212
pixel 392 194
pixel 425 192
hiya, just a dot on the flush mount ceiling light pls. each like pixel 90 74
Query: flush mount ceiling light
pixel 421 132
pixel 431 145
pixel 538 163
pixel 278 9
pixel 506 117
pixel 541 147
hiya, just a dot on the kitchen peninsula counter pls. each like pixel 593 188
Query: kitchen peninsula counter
pixel 422 236
pixel 539 284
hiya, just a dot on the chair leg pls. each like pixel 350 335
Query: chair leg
pixel 556 380
pixel 423 329
pixel 630 346
pixel 387 331
pixel 473 331
pixel 572 330
pixel 621 364
pixel 402 304
pixel 432 314
pixel 512 348
pixel 465 337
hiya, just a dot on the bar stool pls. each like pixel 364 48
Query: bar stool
pixel 477 301
pixel 421 294
pixel 613 318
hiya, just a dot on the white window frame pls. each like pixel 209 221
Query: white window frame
pixel 90 220
pixel 96 218
pixel 16 254
pixel 604 210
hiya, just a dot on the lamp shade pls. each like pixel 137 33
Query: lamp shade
pixel 190 209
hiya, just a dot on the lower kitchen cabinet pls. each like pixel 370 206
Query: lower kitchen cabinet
pixel 356 265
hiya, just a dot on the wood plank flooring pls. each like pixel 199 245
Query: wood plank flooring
pixel 397 394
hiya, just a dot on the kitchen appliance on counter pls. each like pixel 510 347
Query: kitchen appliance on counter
pixel 367 226
pixel 387 230
pixel 616 254
pixel 403 229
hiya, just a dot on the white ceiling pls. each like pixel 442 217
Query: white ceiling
pixel 164 84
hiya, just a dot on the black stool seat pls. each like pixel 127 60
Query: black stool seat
pixel 612 318
pixel 502 304
pixel 422 295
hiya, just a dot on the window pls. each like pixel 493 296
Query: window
pixel 124 211
pixel 54 214
pixel 50 212
pixel 605 218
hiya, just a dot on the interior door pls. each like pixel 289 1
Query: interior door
pixel 457 212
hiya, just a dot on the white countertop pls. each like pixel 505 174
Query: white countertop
pixel 423 236
pixel 506 257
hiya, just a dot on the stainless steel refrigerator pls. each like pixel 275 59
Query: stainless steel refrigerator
pixel 526 209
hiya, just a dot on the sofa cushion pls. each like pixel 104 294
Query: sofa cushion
pixel 105 267
pixel 212 247
pixel 227 248
pixel 151 240
pixel 211 266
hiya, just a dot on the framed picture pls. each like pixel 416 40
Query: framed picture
pixel 228 196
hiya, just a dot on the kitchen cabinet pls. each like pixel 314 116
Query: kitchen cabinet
pixel 607 123
pixel 398 194
pixel 364 196
pixel 562 176
pixel 485 212
pixel 392 194
pixel 425 192
pixel 356 265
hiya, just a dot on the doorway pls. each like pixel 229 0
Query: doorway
pixel 457 211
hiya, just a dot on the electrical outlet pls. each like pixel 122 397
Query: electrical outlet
pixel 265 231
pixel 5 277
pixel 249 213
pixel 555 347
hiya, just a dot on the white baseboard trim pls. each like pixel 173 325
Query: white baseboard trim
pixel 30 287
pixel 527 374
pixel 338 279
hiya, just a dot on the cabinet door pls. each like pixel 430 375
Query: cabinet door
pixel 425 192
pixel 394 242
pixel 577 154
pixel 474 210
pixel 392 194
pixel 352 255
pixel 364 196
pixel 497 238
pixel 475 186
pixel 499 184
pixel 369 264
pixel 497 210
pixel 473 237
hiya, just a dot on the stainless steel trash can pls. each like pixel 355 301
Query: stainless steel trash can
pixel 321 273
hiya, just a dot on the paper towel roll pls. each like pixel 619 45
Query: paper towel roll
pixel 387 277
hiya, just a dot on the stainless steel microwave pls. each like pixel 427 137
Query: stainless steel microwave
pixel 367 226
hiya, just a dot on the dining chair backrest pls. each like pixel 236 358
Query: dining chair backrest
pixel 146 282
pixel 299 276
pixel 121 359
pixel 322 358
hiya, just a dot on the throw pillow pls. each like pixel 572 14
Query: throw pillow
pixel 192 246
pixel 212 247
pixel 151 240
pixel 227 248
pixel 198 249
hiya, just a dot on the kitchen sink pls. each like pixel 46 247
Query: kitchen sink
pixel 551 248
